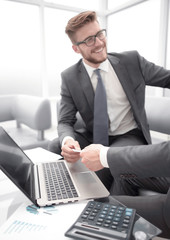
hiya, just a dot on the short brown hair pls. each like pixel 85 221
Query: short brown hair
pixel 79 21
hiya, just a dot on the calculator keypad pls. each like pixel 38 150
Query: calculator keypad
pixel 107 216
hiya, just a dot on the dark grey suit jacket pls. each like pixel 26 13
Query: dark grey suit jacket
pixel 134 73
pixel 140 161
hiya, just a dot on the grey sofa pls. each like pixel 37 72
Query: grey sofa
pixel 26 118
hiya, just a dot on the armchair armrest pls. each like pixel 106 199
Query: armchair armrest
pixel 6 108
pixel 158 114
pixel 35 112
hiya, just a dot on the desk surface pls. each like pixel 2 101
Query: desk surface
pixel 29 224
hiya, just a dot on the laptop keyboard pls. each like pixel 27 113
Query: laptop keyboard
pixel 58 182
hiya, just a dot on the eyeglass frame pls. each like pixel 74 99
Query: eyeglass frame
pixel 93 36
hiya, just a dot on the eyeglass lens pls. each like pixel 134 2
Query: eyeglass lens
pixel 91 40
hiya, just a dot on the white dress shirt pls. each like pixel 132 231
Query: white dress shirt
pixel 103 156
pixel 119 110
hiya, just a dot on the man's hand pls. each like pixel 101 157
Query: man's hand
pixel 91 157
pixel 68 153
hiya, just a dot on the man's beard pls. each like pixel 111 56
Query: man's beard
pixel 94 60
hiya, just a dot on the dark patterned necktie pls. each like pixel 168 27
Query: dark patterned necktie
pixel 100 125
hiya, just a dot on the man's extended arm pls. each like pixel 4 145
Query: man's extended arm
pixel 132 161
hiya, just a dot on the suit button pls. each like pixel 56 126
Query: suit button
pixel 122 175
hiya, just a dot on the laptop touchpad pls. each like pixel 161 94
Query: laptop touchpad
pixel 84 178
pixel 88 186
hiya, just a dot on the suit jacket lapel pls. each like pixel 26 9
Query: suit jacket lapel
pixel 86 86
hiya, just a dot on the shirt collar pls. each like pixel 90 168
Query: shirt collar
pixel 104 66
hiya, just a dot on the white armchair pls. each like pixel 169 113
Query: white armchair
pixel 32 112
pixel 158 115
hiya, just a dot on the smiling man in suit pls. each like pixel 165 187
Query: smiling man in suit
pixel 124 76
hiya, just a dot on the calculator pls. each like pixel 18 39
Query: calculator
pixel 103 221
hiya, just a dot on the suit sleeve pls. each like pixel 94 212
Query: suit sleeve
pixel 140 161
pixel 153 74
pixel 67 112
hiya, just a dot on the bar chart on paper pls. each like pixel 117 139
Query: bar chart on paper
pixel 31 222
pixel 28 221
pixel 20 227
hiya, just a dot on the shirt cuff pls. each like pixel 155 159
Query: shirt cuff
pixel 65 139
pixel 103 156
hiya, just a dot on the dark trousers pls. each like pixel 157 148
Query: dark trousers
pixel 133 137
pixel 155 209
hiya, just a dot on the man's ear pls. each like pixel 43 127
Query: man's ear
pixel 75 48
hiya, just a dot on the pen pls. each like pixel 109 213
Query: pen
pixel 39 210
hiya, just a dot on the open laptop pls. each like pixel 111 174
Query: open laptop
pixel 32 179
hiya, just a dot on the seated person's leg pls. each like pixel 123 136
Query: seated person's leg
pixel 156 184
pixel 122 187
pixel 106 178
pixel 54 146
pixel 155 209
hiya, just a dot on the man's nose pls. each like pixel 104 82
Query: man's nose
pixel 98 41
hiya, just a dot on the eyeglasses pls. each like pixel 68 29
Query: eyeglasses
pixel 90 41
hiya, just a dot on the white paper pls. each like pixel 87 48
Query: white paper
pixel 26 225
pixel 4 210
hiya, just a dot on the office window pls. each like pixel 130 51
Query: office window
pixel 59 52
pixel 113 4
pixel 167 91
pixel 136 28
pixel 88 4
pixel 19 48
pixel 168 47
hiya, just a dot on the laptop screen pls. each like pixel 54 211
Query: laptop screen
pixel 16 165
